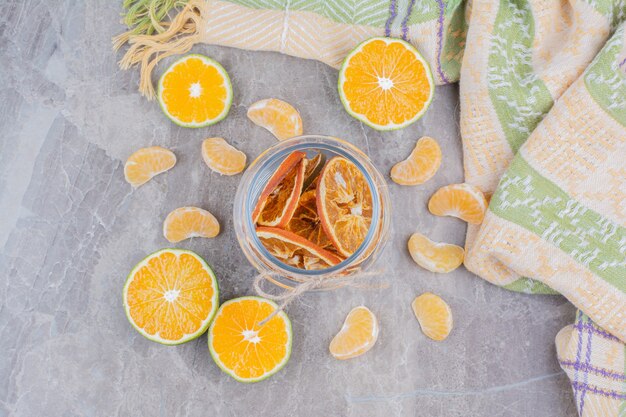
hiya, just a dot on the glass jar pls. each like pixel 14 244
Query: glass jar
pixel 256 176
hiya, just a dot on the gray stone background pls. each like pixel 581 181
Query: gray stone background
pixel 71 228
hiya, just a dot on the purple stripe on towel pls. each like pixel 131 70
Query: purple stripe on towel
pixel 393 12
pixel 405 21
pixel 595 390
pixel 442 9
pixel 584 367
pixel 580 325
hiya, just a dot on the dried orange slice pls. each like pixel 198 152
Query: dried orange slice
pixel 420 166
pixel 277 116
pixel 434 315
pixel 434 256
pixel 357 335
pixel 344 204
pixel 186 222
pixel 295 250
pixel 313 168
pixel 386 83
pixel 195 91
pixel 279 199
pixel 241 347
pixel 146 163
pixel 222 157
pixel 459 200
pixel 306 223
pixel 171 296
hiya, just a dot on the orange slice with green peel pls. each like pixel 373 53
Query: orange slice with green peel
pixel 171 296
pixel 222 157
pixel 241 347
pixel 146 163
pixel 386 83
pixel 279 199
pixel 434 315
pixel 295 250
pixel 195 91
pixel 344 204
pixel 357 335
pixel 434 256
pixel 187 222
pixel 420 166
pixel 463 201
pixel 306 223
pixel 277 116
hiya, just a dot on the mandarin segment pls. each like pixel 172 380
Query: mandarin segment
pixel 434 256
pixel 146 163
pixel 434 316
pixel 357 335
pixel 222 157
pixel 421 165
pixel 187 222
pixel 463 201
pixel 277 116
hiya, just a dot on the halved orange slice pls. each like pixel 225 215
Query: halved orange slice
pixel 277 116
pixel 357 335
pixel 386 83
pixel 171 296
pixel 195 91
pixel 295 250
pixel 420 166
pixel 434 315
pixel 222 157
pixel 463 201
pixel 306 223
pixel 344 204
pixel 434 256
pixel 241 347
pixel 146 163
pixel 186 222
pixel 279 198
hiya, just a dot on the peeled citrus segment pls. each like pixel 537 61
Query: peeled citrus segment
pixel 433 256
pixel 357 335
pixel 186 222
pixel 241 347
pixel 171 296
pixel 306 223
pixel 222 157
pixel 386 83
pixel 295 250
pixel 459 200
pixel 146 163
pixel 279 198
pixel 434 315
pixel 344 204
pixel 195 91
pixel 420 166
pixel 277 116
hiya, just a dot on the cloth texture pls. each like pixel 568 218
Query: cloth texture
pixel 543 124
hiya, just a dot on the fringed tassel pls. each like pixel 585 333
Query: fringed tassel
pixel 179 36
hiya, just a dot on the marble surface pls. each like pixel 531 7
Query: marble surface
pixel 71 229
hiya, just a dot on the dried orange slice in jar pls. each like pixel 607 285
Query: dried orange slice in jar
pixel 357 335
pixel 279 199
pixel 386 83
pixel 295 250
pixel 420 166
pixel 344 204
pixel 186 222
pixel 434 256
pixel 171 296
pixel 434 315
pixel 463 201
pixel 306 223
pixel 313 168
pixel 146 163
pixel 222 157
pixel 277 116
pixel 195 91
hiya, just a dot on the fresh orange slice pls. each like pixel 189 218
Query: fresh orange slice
pixel 146 163
pixel 420 166
pixel 434 315
pixel 386 83
pixel 195 91
pixel 306 223
pixel 186 222
pixel 459 200
pixel 433 256
pixel 243 348
pixel 277 116
pixel 279 198
pixel 171 296
pixel 222 157
pixel 344 204
pixel 295 250
pixel 357 335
